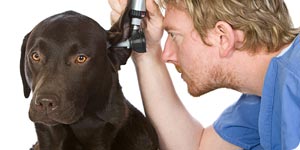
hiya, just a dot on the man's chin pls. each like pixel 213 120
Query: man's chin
pixel 193 93
pixel 196 92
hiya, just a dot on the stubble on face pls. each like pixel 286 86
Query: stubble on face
pixel 213 78
pixel 198 69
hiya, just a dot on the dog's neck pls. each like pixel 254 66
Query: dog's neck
pixel 109 99
pixel 108 116
pixel 116 104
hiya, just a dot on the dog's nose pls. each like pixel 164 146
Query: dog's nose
pixel 48 104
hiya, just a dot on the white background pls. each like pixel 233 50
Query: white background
pixel 18 17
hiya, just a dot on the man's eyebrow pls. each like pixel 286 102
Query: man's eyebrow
pixel 168 27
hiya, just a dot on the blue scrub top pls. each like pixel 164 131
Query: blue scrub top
pixel 272 121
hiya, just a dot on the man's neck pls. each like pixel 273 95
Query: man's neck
pixel 251 69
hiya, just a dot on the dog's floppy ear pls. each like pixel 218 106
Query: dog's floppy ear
pixel 120 31
pixel 26 88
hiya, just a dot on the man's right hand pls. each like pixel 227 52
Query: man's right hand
pixel 117 6
pixel 152 25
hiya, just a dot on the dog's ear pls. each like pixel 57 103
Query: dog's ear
pixel 26 88
pixel 120 31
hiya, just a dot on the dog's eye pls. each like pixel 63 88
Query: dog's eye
pixel 35 56
pixel 81 59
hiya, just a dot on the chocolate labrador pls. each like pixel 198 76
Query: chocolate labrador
pixel 77 102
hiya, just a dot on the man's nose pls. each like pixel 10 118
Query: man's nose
pixel 169 53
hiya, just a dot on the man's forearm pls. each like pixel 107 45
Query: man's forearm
pixel 176 128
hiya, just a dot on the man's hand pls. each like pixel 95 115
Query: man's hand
pixel 153 29
pixel 117 6
pixel 152 26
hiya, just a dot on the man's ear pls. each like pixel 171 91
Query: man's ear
pixel 225 38
pixel 120 31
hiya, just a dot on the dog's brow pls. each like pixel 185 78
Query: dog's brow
pixel 74 48
pixel 39 45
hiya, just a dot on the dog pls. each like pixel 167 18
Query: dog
pixel 77 102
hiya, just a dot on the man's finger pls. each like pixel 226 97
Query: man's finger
pixel 115 5
pixel 114 17
pixel 152 8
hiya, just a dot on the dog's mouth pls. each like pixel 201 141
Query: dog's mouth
pixel 42 117
pixel 52 118
pixel 46 121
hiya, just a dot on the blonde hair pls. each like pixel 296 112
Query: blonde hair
pixel 265 23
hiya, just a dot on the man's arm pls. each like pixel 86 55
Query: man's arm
pixel 176 128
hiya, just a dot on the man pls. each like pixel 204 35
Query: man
pixel 248 46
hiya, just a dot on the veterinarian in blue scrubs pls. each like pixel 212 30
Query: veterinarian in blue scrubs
pixel 248 46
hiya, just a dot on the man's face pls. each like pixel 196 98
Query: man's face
pixel 198 63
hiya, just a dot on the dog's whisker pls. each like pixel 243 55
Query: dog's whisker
pixel 54 108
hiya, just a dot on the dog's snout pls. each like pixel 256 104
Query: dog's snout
pixel 46 103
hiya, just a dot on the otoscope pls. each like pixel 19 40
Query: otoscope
pixel 136 41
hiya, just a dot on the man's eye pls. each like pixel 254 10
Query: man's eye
pixel 81 59
pixel 173 36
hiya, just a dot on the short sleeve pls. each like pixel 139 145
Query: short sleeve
pixel 238 124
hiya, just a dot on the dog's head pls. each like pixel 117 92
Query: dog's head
pixel 65 60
